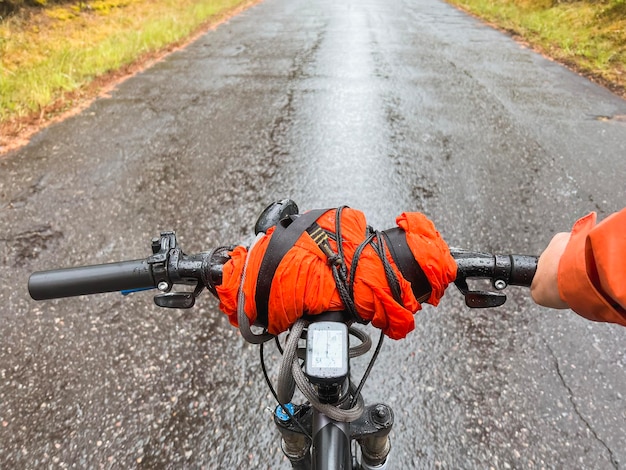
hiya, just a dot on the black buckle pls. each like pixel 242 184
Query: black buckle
pixel 477 298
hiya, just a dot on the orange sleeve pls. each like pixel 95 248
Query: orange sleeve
pixel 592 270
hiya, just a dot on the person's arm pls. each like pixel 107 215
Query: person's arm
pixel 586 270
pixel 545 288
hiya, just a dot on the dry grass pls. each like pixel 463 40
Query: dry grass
pixel 50 57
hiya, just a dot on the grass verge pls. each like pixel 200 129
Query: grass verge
pixel 588 36
pixel 57 58
pixel 52 58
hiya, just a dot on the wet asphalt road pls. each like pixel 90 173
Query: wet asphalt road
pixel 386 106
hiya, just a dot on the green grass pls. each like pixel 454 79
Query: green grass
pixel 47 53
pixel 50 54
pixel 589 36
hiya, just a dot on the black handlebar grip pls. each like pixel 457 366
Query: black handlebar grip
pixel 95 279
pixel 523 270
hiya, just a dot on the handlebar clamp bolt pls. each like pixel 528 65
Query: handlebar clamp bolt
pixel 499 284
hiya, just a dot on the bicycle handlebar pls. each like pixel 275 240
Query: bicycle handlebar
pixel 84 280
pixel 515 270
pixel 169 266
pixel 502 270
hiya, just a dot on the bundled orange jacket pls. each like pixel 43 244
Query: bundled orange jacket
pixel 592 270
pixel 303 282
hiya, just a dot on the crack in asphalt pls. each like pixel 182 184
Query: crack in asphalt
pixel 296 74
pixel 570 395
pixel 21 198
pixel 28 245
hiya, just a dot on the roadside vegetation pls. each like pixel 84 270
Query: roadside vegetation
pixel 587 35
pixel 56 53
pixel 51 54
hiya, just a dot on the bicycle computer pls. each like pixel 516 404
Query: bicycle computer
pixel 327 353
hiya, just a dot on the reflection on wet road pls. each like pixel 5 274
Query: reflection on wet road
pixel 386 106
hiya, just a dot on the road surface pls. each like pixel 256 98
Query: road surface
pixel 387 106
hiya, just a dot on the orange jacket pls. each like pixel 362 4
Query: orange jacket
pixel 592 270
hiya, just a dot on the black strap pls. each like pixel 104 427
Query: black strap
pixel 409 267
pixel 287 232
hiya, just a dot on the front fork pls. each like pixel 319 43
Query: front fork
pixel 371 431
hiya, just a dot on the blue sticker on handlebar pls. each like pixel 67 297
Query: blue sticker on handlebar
pixel 130 291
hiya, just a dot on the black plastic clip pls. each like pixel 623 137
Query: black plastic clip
pixel 160 256
pixel 178 299
pixel 165 251
pixel 479 299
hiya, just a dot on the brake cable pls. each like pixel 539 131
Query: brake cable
pixel 369 368
pixel 273 391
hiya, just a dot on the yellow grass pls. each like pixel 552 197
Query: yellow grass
pixel 45 53
pixel 589 36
